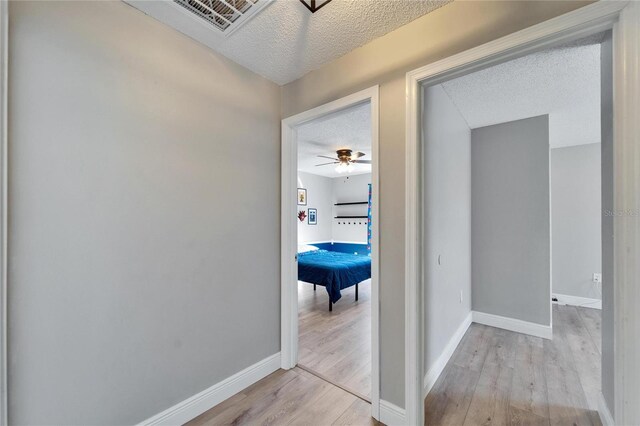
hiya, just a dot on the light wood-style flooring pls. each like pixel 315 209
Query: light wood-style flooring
pixel 336 345
pixel 291 397
pixel 496 377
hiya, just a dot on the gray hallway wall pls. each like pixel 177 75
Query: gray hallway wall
pixel 510 220
pixel 131 219
pixel 576 240
pixel 447 207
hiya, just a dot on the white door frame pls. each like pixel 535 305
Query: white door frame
pixel 289 234
pixel 624 19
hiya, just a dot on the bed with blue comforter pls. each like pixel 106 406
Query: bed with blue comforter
pixel 333 270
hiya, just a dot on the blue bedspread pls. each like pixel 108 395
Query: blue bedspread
pixel 333 270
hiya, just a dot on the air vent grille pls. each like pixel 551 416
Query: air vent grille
pixel 222 14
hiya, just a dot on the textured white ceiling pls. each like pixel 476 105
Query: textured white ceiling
pixel 285 41
pixel 349 128
pixel 563 82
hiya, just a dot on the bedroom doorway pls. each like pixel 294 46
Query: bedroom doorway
pixel 478 152
pixel 330 308
pixel 622 18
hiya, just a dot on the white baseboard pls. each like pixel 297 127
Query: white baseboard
pixel 391 414
pixel 437 367
pixel 603 410
pixel 587 302
pixel 513 324
pixel 208 398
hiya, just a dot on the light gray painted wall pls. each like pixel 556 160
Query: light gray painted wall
pixel 576 240
pixel 510 241
pixel 319 197
pixel 447 207
pixel 347 189
pixel 144 215
pixel 608 307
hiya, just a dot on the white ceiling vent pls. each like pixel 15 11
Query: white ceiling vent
pixel 225 16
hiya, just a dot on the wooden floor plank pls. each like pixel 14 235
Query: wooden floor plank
pixel 329 406
pixel 253 397
pixel 516 379
pixel 435 403
pixel 585 354
pixel 529 403
pixel 360 378
pixel 567 402
pixel 472 350
pixel 452 408
pixel 592 319
pixel 358 414
pixel 462 377
pixel 293 397
pixel 337 344
pixel 291 400
pixel 264 403
pixel 490 402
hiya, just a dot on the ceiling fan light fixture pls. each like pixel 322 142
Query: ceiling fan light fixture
pixel 344 167
pixel 345 160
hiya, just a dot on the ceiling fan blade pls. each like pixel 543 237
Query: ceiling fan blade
pixel 362 161
pixel 313 143
pixel 358 154
pixel 330 158
pixel 326 164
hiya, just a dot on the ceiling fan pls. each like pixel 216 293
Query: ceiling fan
pixel 346 159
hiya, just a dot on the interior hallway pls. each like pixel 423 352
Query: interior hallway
pixel 335 344
pixel 497 377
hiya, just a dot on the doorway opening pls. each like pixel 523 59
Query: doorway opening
pixel 330 266
pixel 513 219
pixel 619 373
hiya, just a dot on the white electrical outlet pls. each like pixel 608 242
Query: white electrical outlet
pixel 460 296
pixel 597 277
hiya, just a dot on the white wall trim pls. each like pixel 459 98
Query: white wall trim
pixel 626 147
pixel 289 233
pixel 603 410
pixel 512 324
pixel 580 23
pixel 192 407
pixel 586 302
pixel 391 414
pixel 413 268
pixel 437 368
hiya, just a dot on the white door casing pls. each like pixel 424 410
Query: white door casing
pixel 289 232
pixel 624 19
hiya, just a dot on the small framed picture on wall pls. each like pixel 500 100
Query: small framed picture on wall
pixel 313 217
pixel 302 197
